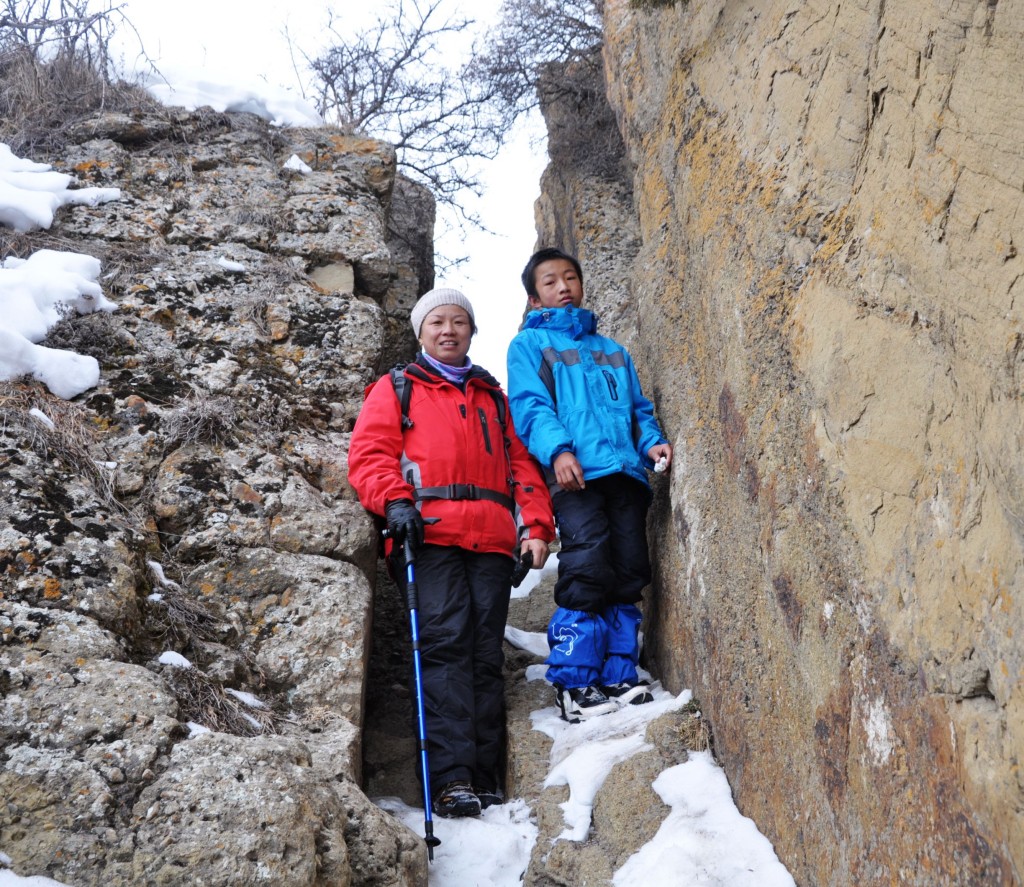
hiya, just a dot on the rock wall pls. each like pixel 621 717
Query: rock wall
pixel 196 503
pixel 826 201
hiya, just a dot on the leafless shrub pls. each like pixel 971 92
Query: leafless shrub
pixel 394 81
pixel 202 417
pixel 50 28
pixel 531 36
pixel 205 701
pixel 56 67
pixel 582 130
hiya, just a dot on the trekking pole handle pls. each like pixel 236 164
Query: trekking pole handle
pixel 386 533
pixel 412 597
pixel 523 565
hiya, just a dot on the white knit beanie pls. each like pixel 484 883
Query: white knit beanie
pixel 435 299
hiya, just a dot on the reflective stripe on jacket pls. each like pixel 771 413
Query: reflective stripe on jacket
pixel 572 389
pixel 456 438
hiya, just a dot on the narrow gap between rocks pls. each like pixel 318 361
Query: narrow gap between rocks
pixel 390 750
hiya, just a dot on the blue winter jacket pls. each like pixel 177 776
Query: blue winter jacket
pixel 571 389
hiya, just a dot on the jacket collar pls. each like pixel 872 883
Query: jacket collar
pixel 422 371
pixel 576 322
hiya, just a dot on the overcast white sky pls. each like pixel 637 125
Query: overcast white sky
pixel 244 40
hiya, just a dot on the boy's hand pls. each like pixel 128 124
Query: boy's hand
pixel 658 452
pixel 568 472
pixel 538 548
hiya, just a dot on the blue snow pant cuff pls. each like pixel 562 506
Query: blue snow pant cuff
pixel 623 640
pixel 578 641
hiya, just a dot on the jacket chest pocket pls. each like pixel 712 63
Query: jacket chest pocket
pixel 612 383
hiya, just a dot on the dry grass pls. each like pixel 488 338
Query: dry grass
pixel 276 276
pixel 177 616
pixel 65 436
pixel 180 619
pixel 38 100
pixel 122 263
pixel 318 718
pixel 694 730
pixel 97 335
pixel 205 701
pixel 202 418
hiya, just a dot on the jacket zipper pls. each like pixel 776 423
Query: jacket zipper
pixel 483 426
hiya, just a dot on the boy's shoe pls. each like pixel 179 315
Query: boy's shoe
pixel 456 799
pixel 627 693
pixel 489 797
pixel 576 703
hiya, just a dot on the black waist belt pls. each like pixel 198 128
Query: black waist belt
pixel 465 491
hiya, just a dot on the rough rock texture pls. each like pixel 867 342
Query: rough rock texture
pixel 829 204
pixel 196 502
pixel 586 201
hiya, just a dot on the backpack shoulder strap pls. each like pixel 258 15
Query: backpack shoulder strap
pixel 403 390
pixel 499 405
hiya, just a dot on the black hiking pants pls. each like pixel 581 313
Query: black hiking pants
pixel 603 530
pixel 463 607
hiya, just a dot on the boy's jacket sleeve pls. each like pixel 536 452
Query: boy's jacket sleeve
pixel 536 519
pixel 534 410
pixel 375 451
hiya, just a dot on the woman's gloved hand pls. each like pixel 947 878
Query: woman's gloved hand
pixel 404 522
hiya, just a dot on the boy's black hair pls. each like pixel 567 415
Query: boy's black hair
pixel 546 255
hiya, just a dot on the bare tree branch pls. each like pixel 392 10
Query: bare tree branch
pixel 394 81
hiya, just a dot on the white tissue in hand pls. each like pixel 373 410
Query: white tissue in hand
pixel 661 464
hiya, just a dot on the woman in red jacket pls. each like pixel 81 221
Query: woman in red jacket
pixel 458 460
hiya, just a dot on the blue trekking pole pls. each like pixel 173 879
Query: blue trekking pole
pixel 412 601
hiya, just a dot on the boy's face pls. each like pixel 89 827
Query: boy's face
pixel 557 285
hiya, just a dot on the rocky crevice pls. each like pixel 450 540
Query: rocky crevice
pixel 812 258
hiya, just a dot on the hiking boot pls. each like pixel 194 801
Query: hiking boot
pixel 489 797
pixel 457 799
pixel 626 693
pixel 576 703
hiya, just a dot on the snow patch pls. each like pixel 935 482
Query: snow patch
pixel 175 660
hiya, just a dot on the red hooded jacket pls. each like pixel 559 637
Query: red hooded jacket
pixel 456 438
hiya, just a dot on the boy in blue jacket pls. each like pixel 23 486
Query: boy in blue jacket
pixel 577 405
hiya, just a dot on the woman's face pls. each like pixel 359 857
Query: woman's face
pixel 445 334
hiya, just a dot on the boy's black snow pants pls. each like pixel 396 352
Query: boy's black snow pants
pixel 603 531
